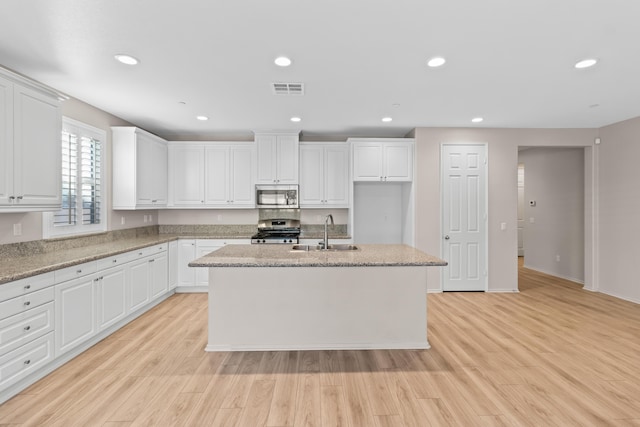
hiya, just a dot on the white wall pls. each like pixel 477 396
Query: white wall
pixel 619 210
pixel 502 186
pixel 554 242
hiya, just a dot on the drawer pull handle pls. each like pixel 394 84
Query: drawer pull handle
pixel 114 261
pixel 27 287
pixel 96 279
pixel 78 271
pixel 151 260
pixel 27 303
pixel 139 253
pixel 28 361
pixel 26 328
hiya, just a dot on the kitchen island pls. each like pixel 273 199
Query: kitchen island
pixel 270 297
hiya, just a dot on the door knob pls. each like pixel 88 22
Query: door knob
pixel 446 237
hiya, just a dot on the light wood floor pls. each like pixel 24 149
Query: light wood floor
pixel 551 355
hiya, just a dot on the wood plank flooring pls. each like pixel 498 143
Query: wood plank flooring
pixel 551 355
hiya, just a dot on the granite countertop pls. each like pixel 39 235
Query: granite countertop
pixel 20 267
pixel 283 256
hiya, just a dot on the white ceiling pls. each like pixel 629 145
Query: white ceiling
pixel 508 61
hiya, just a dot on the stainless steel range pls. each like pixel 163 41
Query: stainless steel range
pixel 277 231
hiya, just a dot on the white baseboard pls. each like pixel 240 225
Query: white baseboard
pixel 337 346
pixel 554 274
pixel 192 289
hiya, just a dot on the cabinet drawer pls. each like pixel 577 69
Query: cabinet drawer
pixel 75 271
pixel 25 286
pixel 112 261
pixel 24 327
pixel 20 304
pixel 19 363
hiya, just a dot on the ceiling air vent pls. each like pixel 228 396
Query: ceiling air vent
pixel 288 88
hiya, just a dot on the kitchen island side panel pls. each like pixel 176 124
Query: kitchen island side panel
pixel 306 308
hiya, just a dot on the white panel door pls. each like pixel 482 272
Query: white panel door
pixel 267 148
pixel 145 185
pixel 367 161
pixel 464 217
pixel 398 162
pixel 75 313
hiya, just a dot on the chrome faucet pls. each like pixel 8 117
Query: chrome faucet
pixel 325 243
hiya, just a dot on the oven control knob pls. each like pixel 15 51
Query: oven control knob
pixel 264 241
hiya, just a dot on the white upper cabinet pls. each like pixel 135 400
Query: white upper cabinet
pixel 382 159
pixel 139 169
pixel 277 158
pixel 324 175
pixel 186 175
pixel 212 174
pixel 30 132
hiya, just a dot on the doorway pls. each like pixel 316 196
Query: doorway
pixel 551 211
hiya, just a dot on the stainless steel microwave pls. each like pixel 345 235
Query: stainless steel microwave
pixel 276 196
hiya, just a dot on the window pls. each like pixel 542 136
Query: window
pixel 83 207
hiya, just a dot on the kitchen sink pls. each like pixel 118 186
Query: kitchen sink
pixel 335 248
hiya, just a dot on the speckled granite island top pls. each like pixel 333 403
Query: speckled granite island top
pixel 284 256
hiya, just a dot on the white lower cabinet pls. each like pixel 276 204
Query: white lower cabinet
pixel 75 312
pixel 186 254
pixel 158 275
pixel 138 284
pixel 48 316
pixel 173 264
pixel 195 279
pixel 19 363
pixel 112 296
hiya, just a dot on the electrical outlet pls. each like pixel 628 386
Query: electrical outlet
pixel 17 229
pixel 557 258
pixel 219 217
pixel 144 219
pixel 150 218
pixel 121 220
pixel 503 226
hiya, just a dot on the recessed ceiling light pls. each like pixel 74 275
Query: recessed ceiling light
pixel 282 61
pixel 586 63
pixel 126 59
pixel 436 61
pixel 477 119
pixel 202 118
pixel 387 119
pixel 295 119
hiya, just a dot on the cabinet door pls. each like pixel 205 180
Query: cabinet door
pixel 217 175
pixel 158 275
pixel 160 168
pixel 312 172
pixel 138 294
pixel 144 170
pixel 241 187
pixel 111 297
pixel 398 162
pixel 173 264
pixel 203 248
pixel 267 149
pixel 287 159
pixel 186 175
pixel 75 303
pixel 186 254
pixel 367 162
pixel 336 176
pixel 6 141
pixel 37 164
